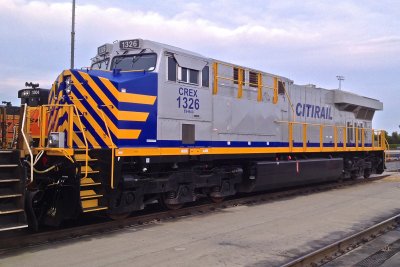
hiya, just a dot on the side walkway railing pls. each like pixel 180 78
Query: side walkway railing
pixel 340 139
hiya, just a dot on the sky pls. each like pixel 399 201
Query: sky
pixel 306 41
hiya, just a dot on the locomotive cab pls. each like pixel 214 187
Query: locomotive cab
pixel 34 97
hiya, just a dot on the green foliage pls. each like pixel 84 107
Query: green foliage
pixel 393 140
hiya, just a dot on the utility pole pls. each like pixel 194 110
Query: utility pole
pixel 73 35
pixel 340 78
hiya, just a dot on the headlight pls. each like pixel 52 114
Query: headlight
pixel 56 139
pixel 68 89
pixel 68 84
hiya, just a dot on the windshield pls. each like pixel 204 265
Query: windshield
pixel 135 62
pixel 101 65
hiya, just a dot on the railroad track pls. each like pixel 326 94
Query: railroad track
pixel 345 245
pixel 25 239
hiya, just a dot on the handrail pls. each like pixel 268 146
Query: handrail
pixel 381 142
pixel 387 157
pixel 84 138
pixel 243 83
pixel 71 110
pixel 26 141
pixel 112 147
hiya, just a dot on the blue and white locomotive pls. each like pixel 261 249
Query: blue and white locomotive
pixel 151 122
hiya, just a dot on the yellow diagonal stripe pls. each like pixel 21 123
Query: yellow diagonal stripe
pixel 93 123
pixel 78 141
pixel 120 134
pixel 128 97
pixel 120 115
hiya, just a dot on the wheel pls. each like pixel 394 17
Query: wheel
pixel 170 206
pixel 367 173
pixel 35 209
pixel 217 199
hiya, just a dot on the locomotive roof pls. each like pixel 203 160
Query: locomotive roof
pixel 340 96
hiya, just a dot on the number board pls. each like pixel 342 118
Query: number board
pixel 130 44
pixel 29 92
pixel 35 92
pixel 102 49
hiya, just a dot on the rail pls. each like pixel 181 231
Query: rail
pixel 112 147
pixel 102 226
pixel 378 140
pixel 336 249
pixel 26 141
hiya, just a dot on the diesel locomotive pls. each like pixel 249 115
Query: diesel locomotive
pixel 149 122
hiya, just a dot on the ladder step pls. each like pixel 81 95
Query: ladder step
pixel 3 212
pixel 91 196
pixel 82 157
pixel 13 227
pixel 89 184
pixel 8 165
pixel 90 203
pixel 9 180
pixel 83 160
pixel 89 170
pixel 98 208
pixel 10 196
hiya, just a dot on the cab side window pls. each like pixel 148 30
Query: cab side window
pixel 205 78
pixel 172 67
pixel 188 75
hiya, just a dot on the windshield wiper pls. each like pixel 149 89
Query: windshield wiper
pixel 119 59
pixel 136 57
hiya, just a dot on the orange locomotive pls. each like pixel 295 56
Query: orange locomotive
pixel 9 119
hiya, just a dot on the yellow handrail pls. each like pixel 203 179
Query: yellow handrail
pixel 259 84
pixel 26 141
pixel 112 147
pixel 275 97
pixel 259 87
pixel 215 85
pixel 71 110
pixel 85 140
pixel 240 82
pixel 382 142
